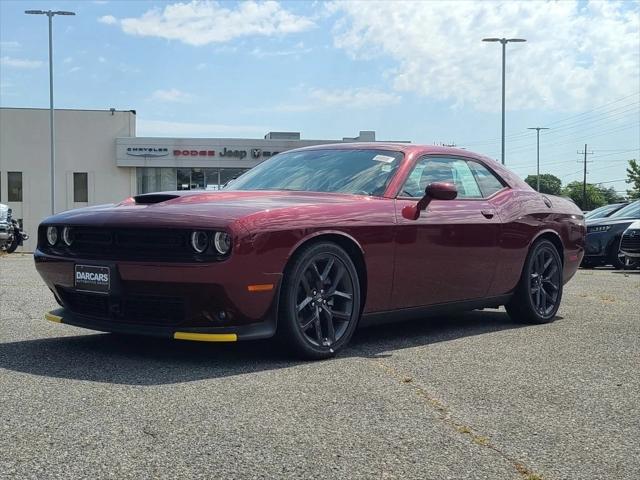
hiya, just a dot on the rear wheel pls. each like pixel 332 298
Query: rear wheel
pixel 320 302
pixel 616 259
pixel 539 292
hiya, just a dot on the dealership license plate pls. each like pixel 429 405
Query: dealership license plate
pixel 91 278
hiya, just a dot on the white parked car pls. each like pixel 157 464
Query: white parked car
pixel 630 245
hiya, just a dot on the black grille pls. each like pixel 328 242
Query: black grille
pixel 137 309
pixel 136 241
pixel 631 243
pixel 128 244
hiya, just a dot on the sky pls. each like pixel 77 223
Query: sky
pixel 414 71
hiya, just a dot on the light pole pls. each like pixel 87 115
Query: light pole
pixel 51 14
pixel 504 42
pixel 537 129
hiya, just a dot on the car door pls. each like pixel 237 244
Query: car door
pixel 449 253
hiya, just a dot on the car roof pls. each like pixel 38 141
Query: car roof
pixel 395 146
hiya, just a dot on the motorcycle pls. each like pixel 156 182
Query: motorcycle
pixel 11 236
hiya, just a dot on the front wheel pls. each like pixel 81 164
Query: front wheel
pixel 538 294
pixel 320 301
pixel 616 259
pixel 11 247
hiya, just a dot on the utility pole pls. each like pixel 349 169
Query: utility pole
pixel 504 42
pixel 585 152
pixel 537 129
pixel 52 165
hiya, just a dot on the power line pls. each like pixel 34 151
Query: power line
pixel 573 135
pixel 612 181
pixel 585 152
pixel 518 135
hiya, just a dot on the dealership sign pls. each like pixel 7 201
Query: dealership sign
pixel 148 151
pixel 194 153
pixel 225 152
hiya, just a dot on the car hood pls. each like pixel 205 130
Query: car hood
pixel 202 209
pixel 635 225
pixel 609 221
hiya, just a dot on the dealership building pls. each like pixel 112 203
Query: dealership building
pixel 99 160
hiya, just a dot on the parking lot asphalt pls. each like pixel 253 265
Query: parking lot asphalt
pixel 470 396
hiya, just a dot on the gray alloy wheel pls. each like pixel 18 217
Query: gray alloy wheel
pixel 539 292
pixel 320 303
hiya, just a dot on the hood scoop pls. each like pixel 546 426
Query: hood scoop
pixel 151 198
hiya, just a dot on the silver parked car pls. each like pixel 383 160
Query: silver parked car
pixel 11 236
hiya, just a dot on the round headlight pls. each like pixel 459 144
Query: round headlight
pixel 67 237
pixel 199 241
pixel 52 235
pixel 222 242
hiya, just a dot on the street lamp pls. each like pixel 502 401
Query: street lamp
pixel 537 129
pixel 51 14
pixel 504 42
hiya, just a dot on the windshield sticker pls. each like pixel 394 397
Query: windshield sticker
pixel 383 159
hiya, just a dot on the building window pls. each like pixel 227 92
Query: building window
pixel 152 179
pixel 14 184
pixel 228 174
pixel 80 187
pixel 161 179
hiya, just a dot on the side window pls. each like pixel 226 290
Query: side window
pixel 80 187
pixel 487 181
pixel 437 169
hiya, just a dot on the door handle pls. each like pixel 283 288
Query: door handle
pixel 487 213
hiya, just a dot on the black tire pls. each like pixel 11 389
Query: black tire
pixel 538 294
pixel 615 259
pixel 319 306
pixel 13 245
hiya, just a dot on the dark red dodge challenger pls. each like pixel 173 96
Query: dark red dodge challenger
pixel 312 241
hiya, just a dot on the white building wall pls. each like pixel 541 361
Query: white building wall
pixel 85 142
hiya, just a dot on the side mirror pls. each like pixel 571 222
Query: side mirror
pixel 441 191
pixel 434 191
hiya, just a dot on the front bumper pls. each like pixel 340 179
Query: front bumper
pixel 255 331
pixel 597 244
pixel 161 298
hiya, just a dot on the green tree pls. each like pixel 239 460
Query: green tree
pixel 548 183
pixel 610 195
pixel 633 178
pixel 595 198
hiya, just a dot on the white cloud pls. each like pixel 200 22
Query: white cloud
pixel 108 19
pixel 297 50
pixel 318 98
pixel 201 66
pixel 20 62
pixel 75 69
pixel 102 60
pixel 68 60
pixel 184 129
pixel 205 22
pixel 172 95
pixel 10 45
pixel 576 54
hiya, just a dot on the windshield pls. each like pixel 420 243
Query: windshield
pixel 363 172
pixel 630 211
pixel 602 211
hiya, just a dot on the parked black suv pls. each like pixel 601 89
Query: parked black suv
pixel 604 234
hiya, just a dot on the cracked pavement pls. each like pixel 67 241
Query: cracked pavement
pixel 470 396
